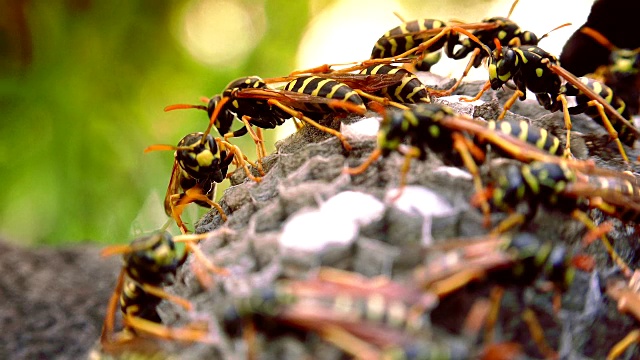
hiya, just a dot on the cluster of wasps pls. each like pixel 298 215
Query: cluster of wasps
pixel 380 317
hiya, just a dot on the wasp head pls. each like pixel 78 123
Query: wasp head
pixel 199 159
pixel 152 258
pixel 503 64
pixel 393 130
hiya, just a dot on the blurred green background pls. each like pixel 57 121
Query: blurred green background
pixel 83 84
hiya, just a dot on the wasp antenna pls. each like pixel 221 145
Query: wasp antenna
pixel 115 250
pixel 397 14
pixel 184 106
pixel 554 29
pixel 498 45
pixel 598 37
pixel 159 147
pixel 214 116
pixel 472 37
pixel 513 6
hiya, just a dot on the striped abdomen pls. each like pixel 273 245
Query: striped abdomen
pixel 531 134
pixel 392 43
pixel 323 88
pixel 409 90
pixel 582 106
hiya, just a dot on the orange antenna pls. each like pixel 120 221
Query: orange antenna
pixel 163 147
pixel 554 29
pixel 397 14
pixel 598 37
pixel 498 45
pixel 184 106
pixel 214 116
pixel 513 6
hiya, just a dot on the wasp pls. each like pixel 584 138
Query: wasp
pixel 507 260
pixel 532 68
pixel 558 186
pixel 592 109
pixel 228 108
pixel 410 35
pixel 438 128
pixel 621 71
pixel 365 317
pixel 200 162
pixel 310 97
pixel 519 258
pixel 148 263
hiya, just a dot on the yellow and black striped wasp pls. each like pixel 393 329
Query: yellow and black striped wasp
pixel 365 317
pixel 307 98
pixel 532 68
pixel 148 263
pixel 249 111
pixel 621 72
pixel 524 187
pixel 410 36
pixel 510 260
pixel 456 140
pixel 200 162
pixel 310 98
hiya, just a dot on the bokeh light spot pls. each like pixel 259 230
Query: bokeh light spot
pixel 221 32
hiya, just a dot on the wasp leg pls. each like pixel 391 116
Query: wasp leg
pixel 176 211
pixel 496 295
pixel 537 334
pixel 567 122
pixel 200 256
pixel 322 69
pixel 584 218
pixel 476 318
pixel 158 292
pixel 485 87
pixel 466 148
pixel 423 47
pixel 301 116
pixel 188 334
pixel 456 281
pixel 619 348
pixel 410 154
pixel 239 159
pixel 365 165
pixel 109 321
pixel 510 103
pixel 449 91
pixel 195 194
pixel 249 336
pixel 607 125
pixel 261 150
pixel 349 343
pixel 509 222
pixel 204 278
pixel 382 100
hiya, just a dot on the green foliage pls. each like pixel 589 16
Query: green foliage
pixel 78 113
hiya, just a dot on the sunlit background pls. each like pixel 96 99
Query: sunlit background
pixel 83 84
